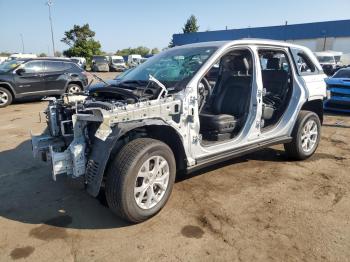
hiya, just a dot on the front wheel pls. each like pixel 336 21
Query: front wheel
pixel 73 88
pixel 5 97
pixel 140 179
pixel 306 136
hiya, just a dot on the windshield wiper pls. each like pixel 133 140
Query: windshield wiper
pixel 138 82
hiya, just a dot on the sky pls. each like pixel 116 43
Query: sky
pixel 151 23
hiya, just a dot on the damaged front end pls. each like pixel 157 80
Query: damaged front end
pixel 82 129
pixel 64 142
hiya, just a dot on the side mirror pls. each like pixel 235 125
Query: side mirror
pixel 20 71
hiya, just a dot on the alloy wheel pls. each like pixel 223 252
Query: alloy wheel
pixel 309 135
pixel 3 98
pixel 151 182
pixel 74 89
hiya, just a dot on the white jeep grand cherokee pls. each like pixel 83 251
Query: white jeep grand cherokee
pixel 185 108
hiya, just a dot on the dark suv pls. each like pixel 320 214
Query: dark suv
pixel 39 77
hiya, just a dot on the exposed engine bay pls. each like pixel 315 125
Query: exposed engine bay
pixel 76 121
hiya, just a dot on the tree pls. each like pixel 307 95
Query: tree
pixel 141 50
pixel 190 25
pixel 58 54
pixel 82 43
pixel 5 54
pixel 171 43
pixel 154 51
pixel 42 55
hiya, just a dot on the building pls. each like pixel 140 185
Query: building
pixel 320 36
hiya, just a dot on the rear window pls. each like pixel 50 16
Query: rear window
pixel 342 73
pixel 303 62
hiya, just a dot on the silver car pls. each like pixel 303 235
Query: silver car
pixel 186 108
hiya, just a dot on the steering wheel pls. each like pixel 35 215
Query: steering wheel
pixel 204 94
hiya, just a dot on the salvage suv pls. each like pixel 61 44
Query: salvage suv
pixel 39 77
pixel 130 139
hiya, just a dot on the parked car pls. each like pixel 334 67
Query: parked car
pixel 134 60
pixel 39 77
pixel 100 64
pixel 345 60
pixel 117 64
pixel 80 61
pixel 338 89
pixel 3 59
pixel 165 117
pixel 21 56
pixel 329 62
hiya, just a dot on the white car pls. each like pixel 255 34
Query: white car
pixel 186 108
pixel 134 60
pixel 117 64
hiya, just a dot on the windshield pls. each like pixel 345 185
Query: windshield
pixel 326 59
pixel 343 73
pixel 117 61
pixel 75 60
pixel 122 75
pixel 171 67
pixel 7 66
pixel 100 59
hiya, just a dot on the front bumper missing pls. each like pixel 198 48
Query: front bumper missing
pixel 70 161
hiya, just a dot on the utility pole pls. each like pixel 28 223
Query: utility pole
pixel 21 35
pixel 285 31
pixel 49 4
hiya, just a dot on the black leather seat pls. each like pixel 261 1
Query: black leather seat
pixel 230 103
pixel 275 81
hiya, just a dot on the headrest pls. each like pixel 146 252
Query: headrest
pixel 273 63
pixel 241 64
pixel 236 64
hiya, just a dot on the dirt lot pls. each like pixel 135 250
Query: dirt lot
pixel 261 207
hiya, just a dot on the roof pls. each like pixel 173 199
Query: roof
pixel 339 28
pixel 246 41
pixel 57 59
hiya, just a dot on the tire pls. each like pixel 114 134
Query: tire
pixel 74 88
pixel 295 148
pixel 5 97
pixel 123 179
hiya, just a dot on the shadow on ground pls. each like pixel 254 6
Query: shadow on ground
pixel 29 195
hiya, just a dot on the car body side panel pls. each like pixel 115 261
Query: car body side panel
pixel 29 83
pixel 55 81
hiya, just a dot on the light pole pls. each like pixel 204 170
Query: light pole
pixel 49 4
pixel 22 42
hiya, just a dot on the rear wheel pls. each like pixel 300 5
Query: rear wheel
pixel 5 97
pixel 306 136
pixel 73 88
pixel 140 179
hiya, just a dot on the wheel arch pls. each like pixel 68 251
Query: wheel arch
pixel 8 87
pixel 103 151
pixel 79 83
pixel 315 106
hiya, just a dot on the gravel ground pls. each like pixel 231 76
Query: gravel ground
pixel 261 207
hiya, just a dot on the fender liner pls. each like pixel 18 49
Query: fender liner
pixel 101 151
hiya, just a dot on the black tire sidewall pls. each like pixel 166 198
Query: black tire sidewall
pixel 306 118
pixel 121 180
pixel 9 95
